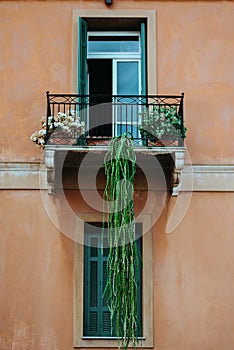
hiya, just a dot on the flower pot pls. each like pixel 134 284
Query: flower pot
pixel 97 141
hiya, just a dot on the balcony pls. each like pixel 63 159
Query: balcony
pixel 154 121
pixel 86 123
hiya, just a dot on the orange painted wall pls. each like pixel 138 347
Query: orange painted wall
pixel 193 276
pixel 36 276
pixel 193 266
pixel 194 54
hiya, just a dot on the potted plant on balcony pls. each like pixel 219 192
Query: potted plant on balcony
pixel 161 125
pixel 62 128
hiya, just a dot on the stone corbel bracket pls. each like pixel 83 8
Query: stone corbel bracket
pixel 176 175
pixel 50 167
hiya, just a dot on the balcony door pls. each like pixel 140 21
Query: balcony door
pixel 111 63
pixel 127 83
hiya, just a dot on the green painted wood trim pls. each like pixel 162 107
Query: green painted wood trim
pixel 82 56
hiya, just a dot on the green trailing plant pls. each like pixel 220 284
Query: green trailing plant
pixel 123 258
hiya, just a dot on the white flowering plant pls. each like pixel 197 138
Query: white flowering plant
pixel 161 122
pixel 67 124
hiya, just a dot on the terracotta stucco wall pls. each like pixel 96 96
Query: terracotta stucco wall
pixel 193 266
pixel 194 54
pixel 36 276
pixel 193 277
pixel 194 271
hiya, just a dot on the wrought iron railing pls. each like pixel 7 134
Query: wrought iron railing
pixel 94 119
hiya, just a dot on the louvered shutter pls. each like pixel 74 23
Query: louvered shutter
pixel 91 307
pixel 139 279
pixel 96 314
pixel 105 322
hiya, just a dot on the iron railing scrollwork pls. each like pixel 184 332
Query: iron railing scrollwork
pixel 152 120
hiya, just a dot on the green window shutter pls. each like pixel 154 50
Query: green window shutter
pixel 143 60
pixel 96 313
pixel 139 279
pixel 105 313
pixel 82 56
pixel 91 310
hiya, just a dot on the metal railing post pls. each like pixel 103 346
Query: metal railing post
pixel 48 113
pixel 181 113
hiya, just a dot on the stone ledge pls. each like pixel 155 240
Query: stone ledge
pixel 26 176
pixel 19 176
pixel 208 178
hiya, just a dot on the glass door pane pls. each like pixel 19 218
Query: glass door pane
pixel 113 44
pixel 127 84
pixel 128 78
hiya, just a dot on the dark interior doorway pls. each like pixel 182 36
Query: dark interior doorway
pixel 100 91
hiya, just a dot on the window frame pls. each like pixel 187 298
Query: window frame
pixel 116 58
pixel 114 55
pixel 81 341
pixel 99 258
pixel 148 15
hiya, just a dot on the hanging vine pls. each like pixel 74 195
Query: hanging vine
pixel 123 258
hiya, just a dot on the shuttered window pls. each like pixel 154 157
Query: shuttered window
pixel 96 314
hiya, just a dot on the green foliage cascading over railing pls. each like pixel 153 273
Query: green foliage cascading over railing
pixel 123 258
